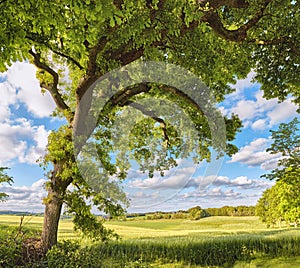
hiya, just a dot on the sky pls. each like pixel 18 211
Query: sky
pixel 25 124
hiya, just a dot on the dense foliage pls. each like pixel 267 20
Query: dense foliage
pixel 281 203
pixel 219 41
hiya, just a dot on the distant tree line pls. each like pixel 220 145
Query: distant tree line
pixel 194 213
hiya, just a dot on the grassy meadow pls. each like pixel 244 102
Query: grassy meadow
pixel 218 241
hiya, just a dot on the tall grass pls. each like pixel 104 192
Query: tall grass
pixel 211 252
pixel 205 243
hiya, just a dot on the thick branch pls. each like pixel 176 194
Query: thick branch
pixel 181 95
pixel 93 53
pixel 238 35
pixel 124 56
pixel 123 96
pixel 257 17
pixel 219 3
pixel 152 115
pixel 39 40
pixel 53 87
pixel 91 75
pixel 214 21
pixel 216 24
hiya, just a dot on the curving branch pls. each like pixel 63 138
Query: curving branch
pixel 123 96
pixel 212 18
pixel 52 88
pixel 181 95
pixel 38 39
pixel 91 74
pixel 238 35
pixel 124 54
pixel 152 115
pixel 93 53
pixel 219 3
pixel 69 58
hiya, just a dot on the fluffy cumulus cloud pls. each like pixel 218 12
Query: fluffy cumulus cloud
pixel 21 141
pixel 260 114
pixel 282 111
pixel 255 154
pixel 24 198
pixel 240 182
pixel 259 124
pixel 8 97
pixel 223 191
pixel 245 109
pixel 213 193
pixel 21 85
pixel 199 182
pixel 176 181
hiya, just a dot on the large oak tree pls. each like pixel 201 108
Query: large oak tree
pixel 218 40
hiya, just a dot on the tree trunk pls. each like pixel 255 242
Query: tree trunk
pixel 53 207
pixel 51 219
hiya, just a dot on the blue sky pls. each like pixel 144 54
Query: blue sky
pixel 25 123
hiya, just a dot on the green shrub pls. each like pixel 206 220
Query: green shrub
pixel 11 246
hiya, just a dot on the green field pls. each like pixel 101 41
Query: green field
pixel 130 229
pixel 180 242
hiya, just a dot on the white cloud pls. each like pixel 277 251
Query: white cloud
pixel 40 136
pixel 242 84
pixel 270 164
pixel 8 97
pixel 216 192
pixel 245 109
pixel 200 182
pixel 24 198
pixel 22 76
pixel 241 182
pixel 265 113
pixel 177 179
pixel 255 154
pixel 21 141
pixel 259 124
pixel 264 104
pixel 282 112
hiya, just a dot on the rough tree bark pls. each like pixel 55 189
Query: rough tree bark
pixel 53 207
pixel 51 219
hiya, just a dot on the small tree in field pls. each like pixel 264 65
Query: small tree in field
pixel 219 41
pixel 196 213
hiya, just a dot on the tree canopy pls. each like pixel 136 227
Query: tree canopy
pixel 219 41
pixel 282 201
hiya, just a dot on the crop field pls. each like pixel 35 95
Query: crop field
pixel 133 228
pixel 206 227
pixel 209 242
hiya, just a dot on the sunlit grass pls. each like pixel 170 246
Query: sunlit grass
pixel 180 242
pixel 211 226
pixel 131 229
